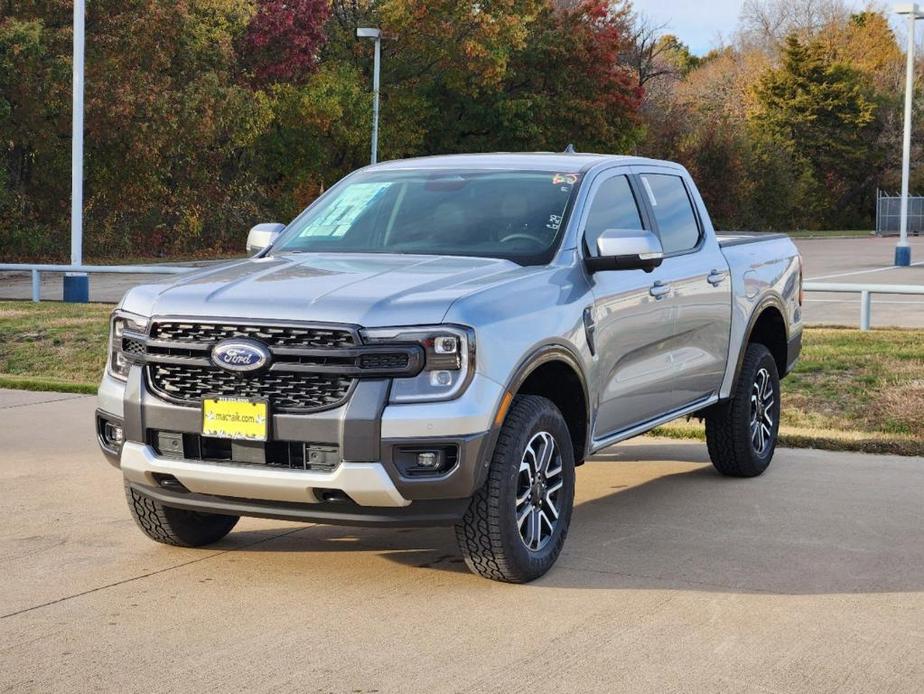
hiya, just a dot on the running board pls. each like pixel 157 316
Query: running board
pixel 640 429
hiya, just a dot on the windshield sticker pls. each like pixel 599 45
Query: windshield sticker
pixel 338 219
pixel 554 222
pixel 565 179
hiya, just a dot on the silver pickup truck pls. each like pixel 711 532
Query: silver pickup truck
pixel 442 341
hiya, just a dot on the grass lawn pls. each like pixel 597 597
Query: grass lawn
pixel 53 346
pixel 851 390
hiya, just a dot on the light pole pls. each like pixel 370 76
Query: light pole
pixel 903 250
pixel 77 286
pixel 376 35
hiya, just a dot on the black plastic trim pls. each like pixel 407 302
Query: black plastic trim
pixel 474 455
pixel 361 435
pixel 112 454
pixel 793 350
pixel 752 321
pixel 417 514
pixel 543 355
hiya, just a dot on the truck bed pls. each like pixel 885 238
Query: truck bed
pixel 738 238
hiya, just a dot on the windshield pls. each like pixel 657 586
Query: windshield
pixel 491 214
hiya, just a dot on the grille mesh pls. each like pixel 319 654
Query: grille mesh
pixel 274 336
pixel 383 361
pixel 130 346
pixel 286 390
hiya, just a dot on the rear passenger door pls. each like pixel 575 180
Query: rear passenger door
pixel 697 273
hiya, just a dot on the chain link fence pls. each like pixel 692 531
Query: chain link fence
pixel 888 214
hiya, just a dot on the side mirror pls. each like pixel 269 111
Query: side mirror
pixel 262 236
pixel 626 249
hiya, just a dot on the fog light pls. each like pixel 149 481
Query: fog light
pixel 428 459
pixel 441 378
pixel 114 434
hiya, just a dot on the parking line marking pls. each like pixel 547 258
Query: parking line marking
pixel 860 272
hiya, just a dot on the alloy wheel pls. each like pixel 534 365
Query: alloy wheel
pixel 763 412
pixel 539 485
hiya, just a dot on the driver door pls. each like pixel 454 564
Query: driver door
pixel 633 320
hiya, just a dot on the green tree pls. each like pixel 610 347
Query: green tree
pixel 819 112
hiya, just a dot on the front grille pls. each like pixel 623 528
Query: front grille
pixel 274 336
pixel 313 366
pixel 288 391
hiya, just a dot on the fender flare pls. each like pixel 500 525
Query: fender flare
pixel 765 303
pixel 544 355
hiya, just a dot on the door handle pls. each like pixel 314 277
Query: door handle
pixel 659 290
pixel 716 277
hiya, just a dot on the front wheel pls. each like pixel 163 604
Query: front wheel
pixel 516 524
pixel 741 433
pixel 175 526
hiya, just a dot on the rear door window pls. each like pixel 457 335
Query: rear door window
pixel 673 211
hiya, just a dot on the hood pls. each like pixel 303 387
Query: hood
pixel 363 289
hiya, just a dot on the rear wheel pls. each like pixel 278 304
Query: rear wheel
pixel 517 522
pixel 741 433
pixel 174 526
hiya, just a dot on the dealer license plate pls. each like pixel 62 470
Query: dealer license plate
pixel 235 418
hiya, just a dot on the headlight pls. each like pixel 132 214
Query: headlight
pixel 123 327
pixel 449 363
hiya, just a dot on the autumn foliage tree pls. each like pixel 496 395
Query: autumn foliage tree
pixel 284 38
pixel 206 116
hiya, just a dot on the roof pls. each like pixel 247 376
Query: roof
pixel 531 161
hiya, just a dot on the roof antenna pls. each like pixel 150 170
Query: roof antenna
pixel 570 150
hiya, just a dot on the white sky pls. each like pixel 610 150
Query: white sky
pixel 701 25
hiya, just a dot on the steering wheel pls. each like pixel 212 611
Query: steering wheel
pixel 522 237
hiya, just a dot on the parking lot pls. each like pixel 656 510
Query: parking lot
pixel 862 261
pixel 673 579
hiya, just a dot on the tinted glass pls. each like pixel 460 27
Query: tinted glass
pixel 673 212
pixel 613 207
pixel 495 214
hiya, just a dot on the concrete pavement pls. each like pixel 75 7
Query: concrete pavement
pixel 673 579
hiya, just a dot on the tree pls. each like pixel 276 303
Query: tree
pixel 767 24
pixel 284 39
pixel 564 84
pixel 817 110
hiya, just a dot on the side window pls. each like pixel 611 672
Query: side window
pixel 673 211
pixel 613 207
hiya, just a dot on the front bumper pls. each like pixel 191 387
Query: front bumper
pixel 365 483
pixel 368 432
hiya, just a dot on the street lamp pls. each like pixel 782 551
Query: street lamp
pixel 375 35
pixel 903 250
pixel 77 285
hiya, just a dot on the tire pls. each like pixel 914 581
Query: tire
pixel 174 526
pixel 491 540
pixel 736 448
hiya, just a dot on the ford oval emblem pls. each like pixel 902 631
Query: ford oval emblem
pixel 240 355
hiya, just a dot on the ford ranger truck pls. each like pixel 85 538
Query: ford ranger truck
pixel 443 341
